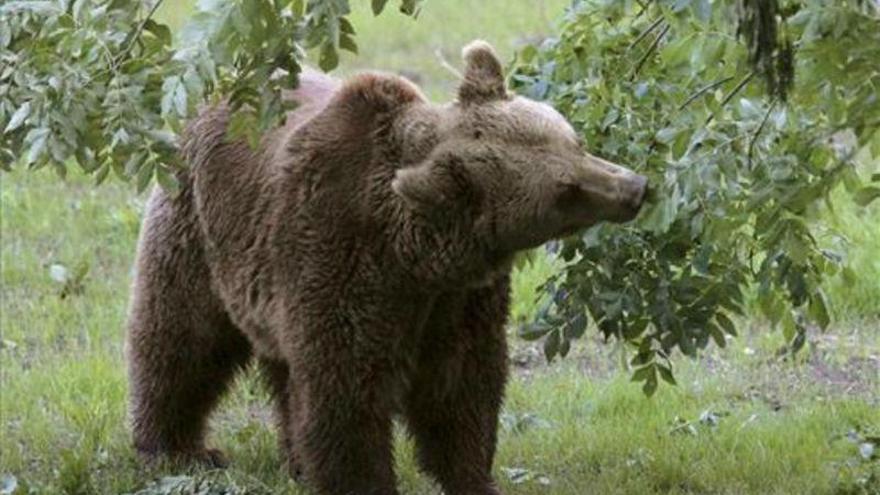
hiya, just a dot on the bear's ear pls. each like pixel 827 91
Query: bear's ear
pixel 433 186
pixel 483 74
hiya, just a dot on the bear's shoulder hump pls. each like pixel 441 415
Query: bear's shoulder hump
pixel 377 93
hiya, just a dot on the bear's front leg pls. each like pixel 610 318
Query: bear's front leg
pixel 276 374
pixel 341 417
pixel 453 406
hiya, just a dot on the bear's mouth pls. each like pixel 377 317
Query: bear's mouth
pixel 569 230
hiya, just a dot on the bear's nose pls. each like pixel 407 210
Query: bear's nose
pixel 635 190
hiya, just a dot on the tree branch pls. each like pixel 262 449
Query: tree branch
pixel 700 92
pixel 758 133
pixel 651 49
pixel 446 65
pixel 643 7
pixel 646 32
pixel 137 33
pixel 730 95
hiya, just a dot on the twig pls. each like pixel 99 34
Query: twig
pixel 733 92
pixel 700 92
pixel 690 100
pixel 758 133
pixel 446 65
pixel 137 33
pixel 650 50
pixel 646 32
pixel 643 7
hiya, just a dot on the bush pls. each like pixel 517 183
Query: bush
pixel 743 139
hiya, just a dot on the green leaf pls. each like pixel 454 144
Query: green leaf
pixel 660 217
pixel 789 326
pixel 610 118
pixel 748 109
pixel 667 134
pixel 378 6
pixel 167 181
pixel 18 117
pixel 169 93
pixel 329 57
pixel 818 309
pixel 564 347
pixel 345 26
pixel 666 374
pixel 180 100
pixel 298 7
pixel 726 324
pixel 160 31
pixel 687 345
pixel 102 173
pixel 533 331
pixel 799 340
pixel 144 175
pixel 346 42
pixel 650 385
pixel 576 326
pixel 410 7
pixel 6 160
pixel 38 145
pixel 866 195
pixel 717 335
pixel 244 124
pixel 644 373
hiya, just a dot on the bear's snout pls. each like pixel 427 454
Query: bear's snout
pixel 634 191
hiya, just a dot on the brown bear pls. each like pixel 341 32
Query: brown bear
pixel 362 254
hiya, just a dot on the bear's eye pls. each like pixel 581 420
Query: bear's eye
pixel 478 134
pixel 568 194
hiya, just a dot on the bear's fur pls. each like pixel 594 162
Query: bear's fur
pixel 362 255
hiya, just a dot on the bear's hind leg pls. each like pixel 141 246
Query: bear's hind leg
pixel 175 386
pixel 183 350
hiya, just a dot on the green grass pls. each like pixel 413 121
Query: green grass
pixel 418 47
pixel 783 429
pixel 571 427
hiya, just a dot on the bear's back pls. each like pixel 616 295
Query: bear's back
pixel 291 212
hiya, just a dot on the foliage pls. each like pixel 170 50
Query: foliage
pixel 738 174
pixel 98 82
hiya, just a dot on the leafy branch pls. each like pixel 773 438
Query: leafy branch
pixel 757 133
pixel 127 89
pixel 651 49
pixel 135 36
pixel 731 228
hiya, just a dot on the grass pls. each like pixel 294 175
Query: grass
pixel 742 420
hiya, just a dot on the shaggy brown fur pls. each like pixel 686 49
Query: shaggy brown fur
pixel 362 255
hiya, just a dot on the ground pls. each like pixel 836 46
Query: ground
pixel 743 420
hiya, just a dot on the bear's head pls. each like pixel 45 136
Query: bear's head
pixel 514 166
